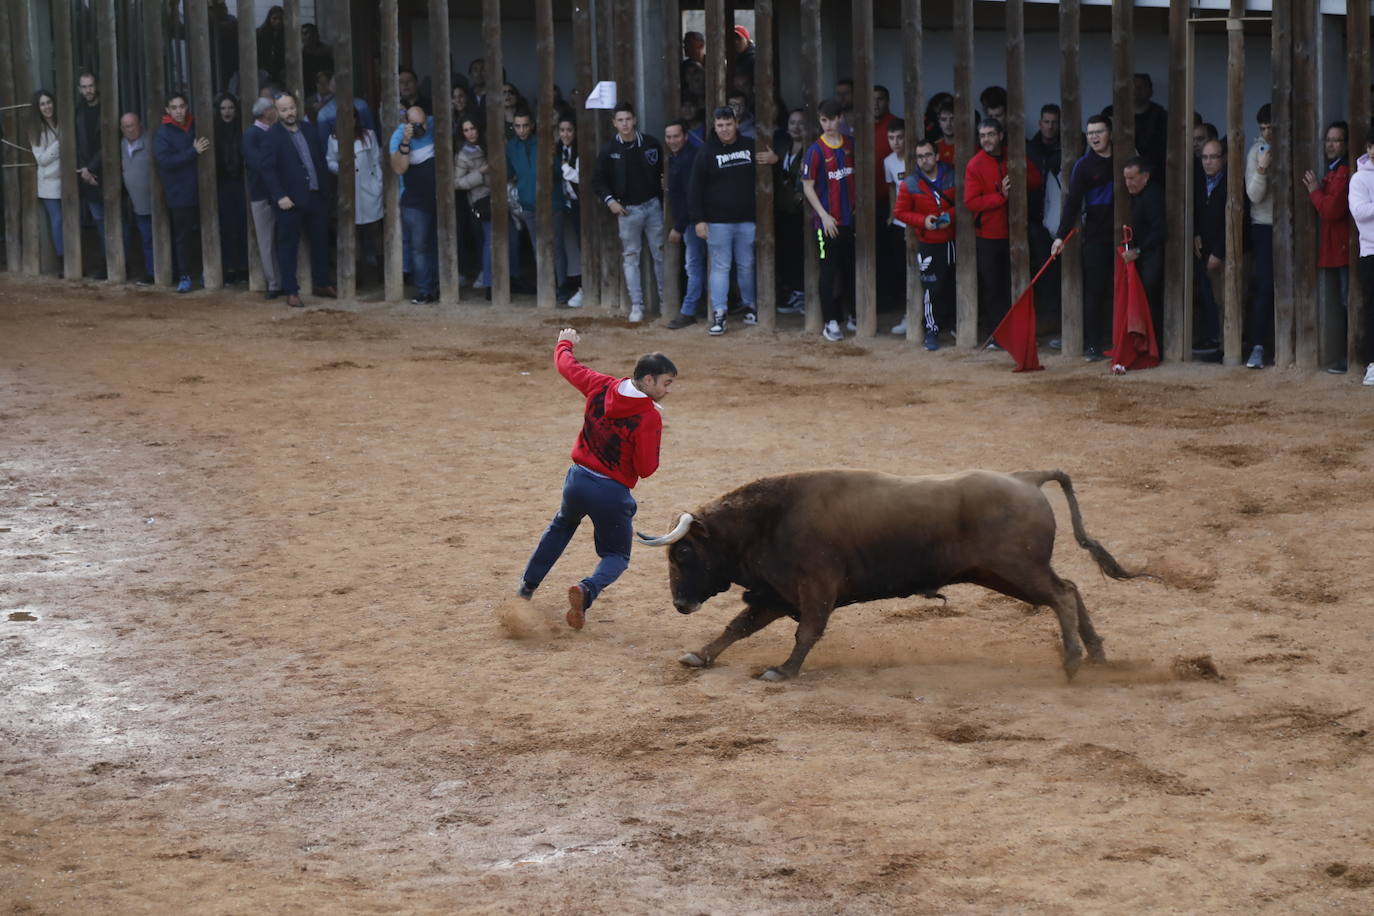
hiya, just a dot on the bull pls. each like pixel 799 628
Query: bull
pixel 804 544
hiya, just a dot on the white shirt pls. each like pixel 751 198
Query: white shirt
pixel 894 167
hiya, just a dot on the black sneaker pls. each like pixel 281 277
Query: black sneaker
pixel 717 327
pixel 681 321
pixel 525 590
pixel 751 317
pixel 1091 355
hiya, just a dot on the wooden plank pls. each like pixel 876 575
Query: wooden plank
pixel 31 218
pixel 1018 205
pixel 1189 195
pixel 865 209
pixel 1282 175
pixel 248 95
pixel 111 182
pixel 547 289
pixel 1178 256
pixel 67 102
pixel 717 56
pixel 1071 134
pixel 589 207
pixel 12 119
pixel 766 119
pixel 389 117
pixel 446 214
pixel 673 252
pixel 1234 269
pixel 1123 108
pixel 913 105
pixel 811 100
pixel 496 156
pixel 614 296
pixel 1306 332
pixel 966 270
pixel 155 81
pixel 203 89
pixel 295 84
pixel 346 247
pixel 1357 76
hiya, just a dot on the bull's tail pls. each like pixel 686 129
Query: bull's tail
pixel 1105 561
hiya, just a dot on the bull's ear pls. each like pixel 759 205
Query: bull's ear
pixel 698 529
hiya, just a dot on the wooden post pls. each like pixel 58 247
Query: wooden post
pixel 389 116
pixel 31 254
pixel 865 208
pixel 248 96
pixel 1123 110
pixel 588 206
pixel 717 55
pixel 67 100
pixel 811 100
pixel 766 119
pixel 1357 78
pixel 547 292
pixel 346 248
pixel 155 81
pixel 446 214
pixel 12 120
pixel 1178 249
pixel 966 270
pixel 1071 139
pixel 111 179
pixel 613 291
pixel 203 90
pixel 1235 185
pixel 496 156
pixel 1018 206
pixel 912 102
pixel 673 252
pixel 1283 179
pixel 295 80
pixel 1307 334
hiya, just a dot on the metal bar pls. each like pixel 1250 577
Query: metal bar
pixel 865 209
pixel 1282 181
pixel 1071 139
pixel 389 116
pixel 966 270
pixel 588 207
pixel 1018 206
pixel 441 82
pixel 1357 77
pixel 766 119
pixel 248 95
pixel 346 247
pixel 673 252
pixel 496 156
pixel 1178 255
pixel 912 105
pixel 811 100
pixel 544 254
pixel 155 19
pixel 203 88
pixel 67 102
pixel 1235 186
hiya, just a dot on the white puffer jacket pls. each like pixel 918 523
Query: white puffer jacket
pixel 49 167
pixel 1362 203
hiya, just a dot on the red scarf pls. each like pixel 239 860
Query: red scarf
pixel 190 120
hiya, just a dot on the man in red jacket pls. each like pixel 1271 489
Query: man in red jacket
pixel 619 442
pixel 1328 195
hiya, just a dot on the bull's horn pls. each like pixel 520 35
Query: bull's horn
pixel 683 523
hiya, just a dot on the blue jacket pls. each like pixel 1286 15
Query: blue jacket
pixel 284 172
pixel 522 158
pixel 254 153
pixel 175 154
pixel 679 178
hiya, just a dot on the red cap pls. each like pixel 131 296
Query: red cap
pixel 742 32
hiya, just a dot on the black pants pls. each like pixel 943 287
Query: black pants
pixel 1150 264
pixel 937 280
pixel 837 263
pixel 308 217
pixel 1367 290
pixel 891 243
pixel 1047 291
pixel 1260 321
pixel 791 256
pixel 994 283
pixel 233 224
pixel 183 224
pixel 1099 289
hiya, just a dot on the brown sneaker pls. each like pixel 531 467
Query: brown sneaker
pixel 577 607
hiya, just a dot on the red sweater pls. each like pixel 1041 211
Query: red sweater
pixel 983 193
pixel 1334 212
pixel 620 435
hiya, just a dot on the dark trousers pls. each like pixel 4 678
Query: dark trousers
pixel 1367 290
pixel 1150 264
pixel 791 252
pixel 233 224
pixel 1260 320
pixel 144 225
pixel 891 241
pixel 994 283
pixel 183 224
pixel 1206 310
pixel 1047 291
pixel 837 263
pixel 937 281
pixel 1099 289
pixel 611 508
pixel 311 219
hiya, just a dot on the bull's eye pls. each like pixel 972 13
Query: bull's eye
pixel 682 551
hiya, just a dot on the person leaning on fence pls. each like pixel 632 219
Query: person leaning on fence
pixel 367 189
pixel 1362 212
pixel 629 181
pixel 254 145
pixel 45 141
pixel 789 211
pixel 1089 204
pixel 88 156
pixel 233 203
pixel 471 173
pixel 1329 196
pixel 136 167
pixel 175 149
pixel 1209 245
pixel 681 158
pixel 295 171
pixel 523 167
pixel 1259 325
pixel 828 183
pixel 566 162
pixel 926 201
pixel 1149 229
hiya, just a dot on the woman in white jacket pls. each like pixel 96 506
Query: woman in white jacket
pixel 1362 211
pixel 44 140
pixel 367 201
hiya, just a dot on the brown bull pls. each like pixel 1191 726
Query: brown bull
pixel 804 544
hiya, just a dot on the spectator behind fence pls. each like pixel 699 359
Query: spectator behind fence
pixel 1330 197
pixel 412 158
pixel 891 235
pixel 523 167
pixel 1209 245
pixel 409 85
pixel 987 188
pixel 945 147
pixel 88 153
pixel 316 56
pixel 1046 151
pixel 471 173
pixel 45 141
pixel 565 158
pixel 233 204
pixel 1149 228
pixel 1089 205
pixel 329 113
pixel 294 171
pixel 260 197
pixel 790 209
pixel 926 201
pixel 176 148
pixel 828 183
pixel 272 46
pixel 135 165
pixel 367 190
pixel 629 181
pixel 681 159
pixel 1259 324
pixel 1362 212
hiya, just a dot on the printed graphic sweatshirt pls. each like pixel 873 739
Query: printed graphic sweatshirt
pixel 620 434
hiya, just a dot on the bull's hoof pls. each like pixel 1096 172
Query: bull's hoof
pixel 772 675
pixel 692 660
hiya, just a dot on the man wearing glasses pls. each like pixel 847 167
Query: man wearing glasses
pixel 1209 244
pixel 1091 186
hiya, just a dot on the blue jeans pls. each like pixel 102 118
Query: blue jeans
pixel 424 249
pixel 694 250
pixel 726 242
pixel 639 222
pixel 145 232
pixel 96 208
pixel 612 510
pixel 513 248
pixel 54 208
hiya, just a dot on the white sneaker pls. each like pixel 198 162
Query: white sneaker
pixel 1256 360
pixel 636 314
pixel 851 325
pixel 831 331
pixel 1369 376
pixel 900 327
pixel 576 301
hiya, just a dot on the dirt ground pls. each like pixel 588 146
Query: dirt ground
pixel 254 564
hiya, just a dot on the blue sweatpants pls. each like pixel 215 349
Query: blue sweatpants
pixel 612 510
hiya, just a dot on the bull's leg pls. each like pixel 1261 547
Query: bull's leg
pixel 1065 603
pixel 748 622
pixel 1091 640
pixel 1041 587
pixel 809 632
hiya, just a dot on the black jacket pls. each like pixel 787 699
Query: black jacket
pixel 1049 160
pixel 88 145
pixel 722 188
pixel 680 180
pixel 1148 223
pixel 1092 184
pixel 1209 217
pixel 631 173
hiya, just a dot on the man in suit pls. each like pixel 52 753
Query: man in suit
pixel 255 141
pixel 294 169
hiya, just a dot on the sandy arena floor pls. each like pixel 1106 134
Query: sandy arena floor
pixel 253 563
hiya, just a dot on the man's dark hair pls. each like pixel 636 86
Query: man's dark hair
pixel 412 74
pixel 1345 128
pixel 925 141
pixel 896 124
pixel 85 73
pixel 678 123
pixel 1210 129
pixel 993 97
pixel 1140 163
pixel 883 90
pixel 724 113
pixel 623 106
pixel 178 95
pixel 845 82
pixel 1101 119
pixel 522 112
pixel 992 123
pixel 653 364
pixel 1265 115
pixel 945 107
pixel 1148 81
pixel 1050 108
pixel 828 109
